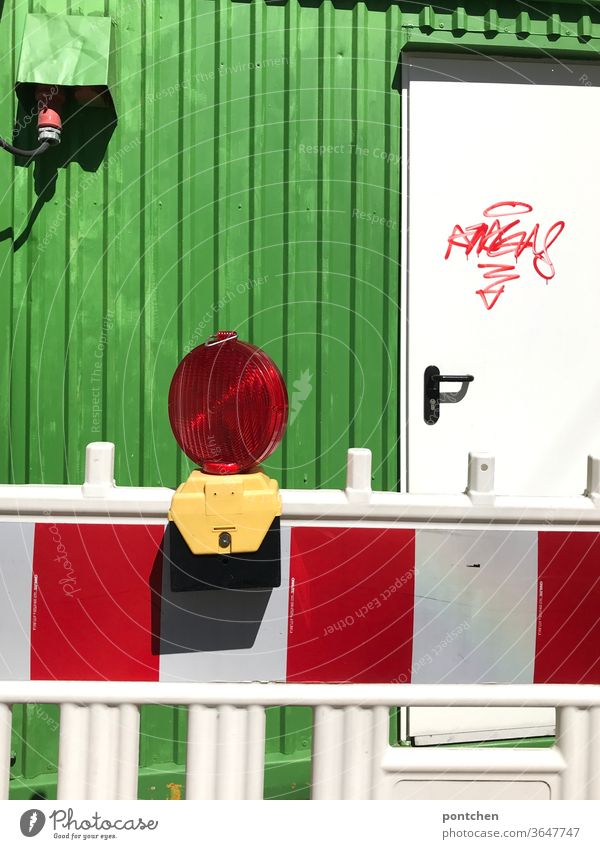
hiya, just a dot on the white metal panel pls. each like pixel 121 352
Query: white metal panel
pixel 432 726
pixel 475 606
pixel 475 618
pixel 473 773
pixel 480 132
pixel 440 789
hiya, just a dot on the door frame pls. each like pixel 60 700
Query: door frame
pixel 486 35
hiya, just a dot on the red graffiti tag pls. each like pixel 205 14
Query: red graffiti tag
pixel 501 238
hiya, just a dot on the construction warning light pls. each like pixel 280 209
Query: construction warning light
pixel 228 405
pixel 228 408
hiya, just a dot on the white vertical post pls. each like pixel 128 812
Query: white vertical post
pixel 101 756
pixel 380 743
pixel 201 769
pixel 359 751
pixel 72 752
pixel 225 752
pixel 348 746
pixel 5 733
pixel 358 475
pixel 328 752
pixel 593 749
pixel 593 479
pixel 255 750
pixel 480 487
pixel 572 742
pixel 232 741
pixel 99 469
pixel 128 752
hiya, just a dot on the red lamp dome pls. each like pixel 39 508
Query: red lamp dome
pixel 228 405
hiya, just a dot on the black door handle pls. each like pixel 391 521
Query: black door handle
pixel 432 395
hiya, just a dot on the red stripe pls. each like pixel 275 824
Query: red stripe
pixel 568 622
pixel 96 607
pixel 351 605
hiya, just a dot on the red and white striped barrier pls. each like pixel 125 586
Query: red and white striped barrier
pixel 376 587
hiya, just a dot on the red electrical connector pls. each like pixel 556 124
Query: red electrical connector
pixel 50 101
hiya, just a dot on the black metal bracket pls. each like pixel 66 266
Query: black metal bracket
pixel 432 397
pixel 256 570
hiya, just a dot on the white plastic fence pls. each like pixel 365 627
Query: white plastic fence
pixel 352 758
pixel 99 498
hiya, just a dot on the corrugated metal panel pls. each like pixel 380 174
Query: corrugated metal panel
pixel 210 200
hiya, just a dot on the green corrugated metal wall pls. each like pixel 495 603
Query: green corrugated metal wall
pixel 207 198
pixel 254 173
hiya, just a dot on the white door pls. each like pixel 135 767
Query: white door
pixel 502 182
pixel 502 172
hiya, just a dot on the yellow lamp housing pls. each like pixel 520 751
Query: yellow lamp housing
pixel 227 514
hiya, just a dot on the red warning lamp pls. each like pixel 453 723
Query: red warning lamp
pixel 228 409
pixel 228 405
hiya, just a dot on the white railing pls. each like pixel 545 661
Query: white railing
pixel 99 499
pixel 352 758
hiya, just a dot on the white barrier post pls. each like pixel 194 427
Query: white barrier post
pixel 358 475
pixel 99 469
pixel 480 487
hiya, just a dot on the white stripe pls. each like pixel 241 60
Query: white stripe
pixel 475 607
pixel 194 648
pixel 16 559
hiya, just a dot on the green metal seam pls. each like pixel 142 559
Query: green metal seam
pixel 516 32
pixel 476 43
pixel 319 239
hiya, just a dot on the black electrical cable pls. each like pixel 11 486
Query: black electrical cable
pixel 16 151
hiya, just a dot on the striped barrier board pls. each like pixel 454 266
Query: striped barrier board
pixel 357 603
